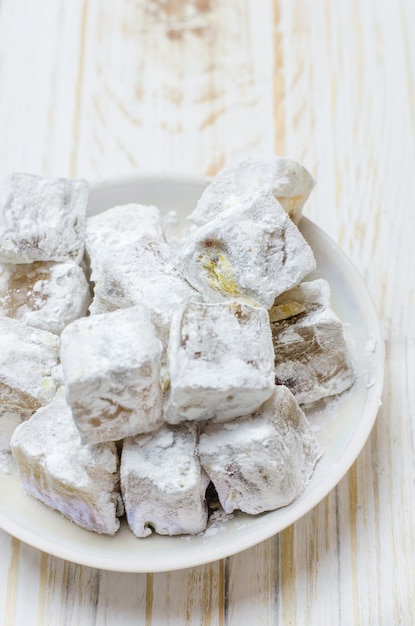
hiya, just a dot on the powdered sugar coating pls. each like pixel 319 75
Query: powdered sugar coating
pixel 81 481
pixel 44 295
pixel 28 358
pixel 252 251
pixel 100 305
pixel 111 367
pixel 288 181
pixel 42 219
pixel 162 482
pixel 144 273
pixel 263 461
pixel 221 362
pixel 117 227
pixel 312 357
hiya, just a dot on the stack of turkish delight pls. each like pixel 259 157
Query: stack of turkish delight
pixel 144 375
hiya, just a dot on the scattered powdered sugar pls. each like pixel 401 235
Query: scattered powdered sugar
pixel 170 219
pixel 7 463
pixel 9 420
pixel 217 523
pixel 371 345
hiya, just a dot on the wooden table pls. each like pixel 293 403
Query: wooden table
pixel 98 89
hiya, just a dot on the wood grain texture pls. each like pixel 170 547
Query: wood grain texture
pixel 101 89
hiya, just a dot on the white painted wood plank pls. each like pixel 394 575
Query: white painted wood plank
pixel 253 578
pixel 183 597
pixel 39 56
pixel 68 594
pixel 165 87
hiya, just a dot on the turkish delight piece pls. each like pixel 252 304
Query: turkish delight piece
pixel 42 219
pixel 44 295
pixel 312 357
pixel 263 461
pixel 132 264
pixel 111 368
pixel 221 362
pixel 252 251
pixel 288 181
pixel 144 273
pixel 28 360
pixel 162 483
pixel 80 481
pixel 117 227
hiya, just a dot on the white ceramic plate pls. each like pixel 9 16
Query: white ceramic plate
pixel 343 426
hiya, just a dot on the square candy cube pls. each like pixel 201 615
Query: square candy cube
pixel 44 295
pixel 144 273
pixel 221 362
pixel 263 461
pixel 162 482
pixel 252 251
pixel 111 369
pixel 80 481
pixel 312 357
pixel 42 219
pixel 115 228
pixel 28 366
